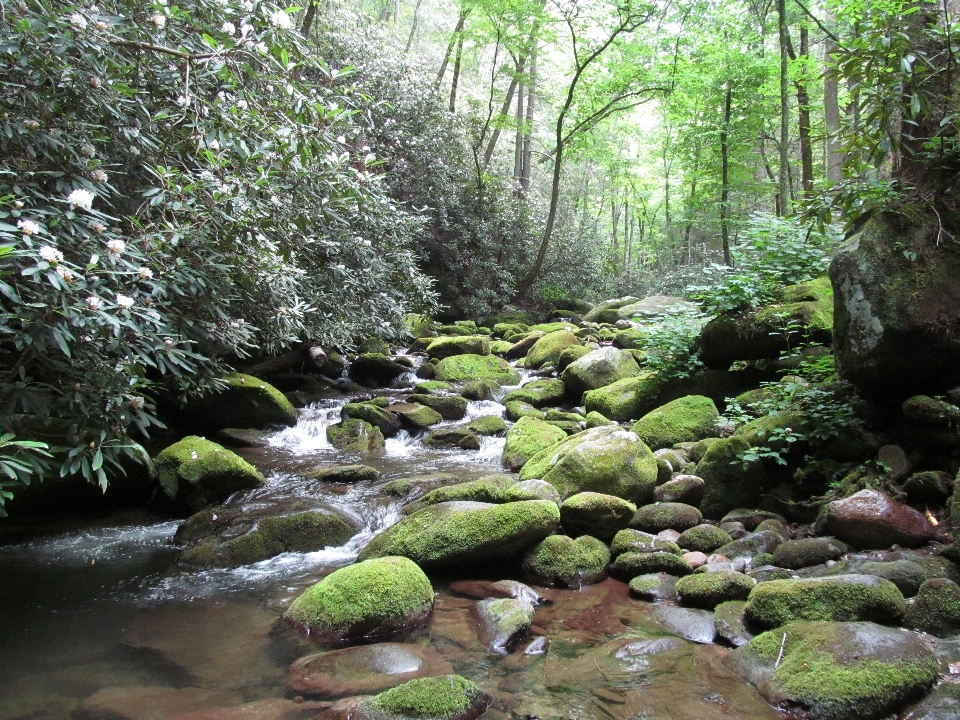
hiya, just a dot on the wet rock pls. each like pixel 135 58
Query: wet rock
pixel 374 598
pixel 532 490
pixel 479 390
pixel 669 534
pixel 504 622
pixel 780 527
pixel 356 436
pixel 729 482
pixel 842 597
pixel 630 540
pixel 666 516
pixel 894 458
pixel 450 407
pixel 837 670
pixel 521 344
pixel 458 534
pixel 596 514
pixel 267 709
pixel 449 697
pixel 730 623
pixel 694 625
pixel 630 564
pixel 931 486
pixel 870 519
pixel 749 546
pixel 935 609
pixel 704 538
pixel 765 573
pixel 344 473
pixel 654 587
pixel 750 518
pixel 461 368
pixel 417 485
pixel 687 489
pixel 516 410
pixel 162 703
pixel 243 438
pixel 707 590
pixel 625 399
pixel 452 438
pixel 415 416
pixel 941 704
pixel 387 422
pixel 444 347
pixel 363 670
pixel 561 561
pixel 695 558
pixel 195 473
pixel 687 419
pixel 597 369
pixel 538 393
pixel 907 575
pixel 805 552
pixel 483 589
pixel 736 530
pixel 606 460
pixel 487 425
pixel 636 657
pixel 375 369
pixel 490 489
pixel 528 437
pixel 245 402
pixel 549 348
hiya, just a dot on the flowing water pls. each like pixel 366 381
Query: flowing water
pixel 98 622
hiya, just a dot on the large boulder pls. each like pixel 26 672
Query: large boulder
pixel 590 513
pixel 561 561
pixel 196 472
pixel 729 482
pixel 449 697
pixel 870 519
pixel 687 419
pixel 490 489
pixel 897 306
pixel 445 347
pixel 625 399
pixel 605 459
pixel 526 438
pixel 374 368
pixel 245 402
pixel 538 393
pixel 462 368
pixel 655 305
pixel 456 534
pixel 837 670
pixel 549 348
pixel 765 333
pixel 607 310
pixel 356 436
pixel 376 598
pixel 936 609
pixel 598 368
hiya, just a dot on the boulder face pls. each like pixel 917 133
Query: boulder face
pixel 871 520
pixel 837 670
pixel 897 307
pixel 598 368
pixel 605 460
pixel 549 348
pixel 245 402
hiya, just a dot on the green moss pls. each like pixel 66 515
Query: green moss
pixel 431 387
pixel 596 514
pixel 936 609
pixel 687 419
pixel 625 399
pixel 835 676
pixel 528 437
pixel 491 489
pixel 541 392
pixel 500 347
pixel 245 402
pixel 597 369
pixel 449 534
pixel 553 327
pixel 630 564
pixel 805 552
pixel 707 590
pixel 561 560
pixel 630 540
pixel 444 347
pixel 450 407
pixel 503 328
pixel 554 414
pixel 819 290
pixel 388 423
pixel 666 516
pixel 435 698
pixel 197 472
pixel 371 597
pixel 460 437
pixel 643 584
pixel 461 368
pixel 843 597
pixel 479 390
pixel 356 436
pixel 704 538
pixel 728 482
pixel 549 348
pixel 570 354
pixel 487 425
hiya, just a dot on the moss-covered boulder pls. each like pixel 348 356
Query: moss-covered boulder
pixel 571 354
pixel 730 624
pixel 387 422
pixel 444 347
pixel 415 416
pixel 458 437
pixel 703 538
pixel 686 489
pixel 655 587
pixel 655 305
pixel 487 425
pixel 450 407
pixel 606 460
pixel 376 598
pixel 936 609
pixel 761 542
pixel 538 393
pixel 629 540
pixel 504 622
pixel 432 387
pixel 837 670
pixel 356 436
pixel 528 437
pixel 686 419
pixel 375 369
pixel 549 348
pixel 629 565
pixel 842 597
pixel 795 554
pixel 461 368
pixel 707 590
pixel 561 561
pixel 245 402
pixel 596 514
pixel 301 532
pixel 756 335
pixel 490 489
pixel 449 697
pixel 343 473
pixel 598 368
pixel 625 399
pixel 479 389
pixel 607 310
pixel 195 473
pixel 729 482
pixel 458 534
pixel 657 517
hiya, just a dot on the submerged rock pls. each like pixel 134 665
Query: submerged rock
pixel 837 670
pixel 504 622
pixel 654 587
pixel 694 625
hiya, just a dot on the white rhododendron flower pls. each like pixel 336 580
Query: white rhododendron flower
pixel 145 273
pixel 28 227
pixel 51 255
pixel 81 199
pixel 115 247
pixel 78 21
pixel 281 20
pixel 229 28
pixel 93 302
pixel 124 302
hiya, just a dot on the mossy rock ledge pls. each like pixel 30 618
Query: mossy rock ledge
pixel 461 534
pixel 448 697
pixel 526 438
pixel 837 670
pixel 462 368
pixel 196 472
pixel 245 403
pixel 687 419
pixel 376 598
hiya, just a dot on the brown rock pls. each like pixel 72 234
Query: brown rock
pixel 151 703
pixel 269 709
pixel 870 519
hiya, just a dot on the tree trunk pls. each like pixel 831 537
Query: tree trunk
pixel 518 140
pixel 413 30
pixel 457 34
pixel 505 108
pixel 803 107
pixel 456 75
pixel 784 178
pixel 725 174
pixel 308 17
pixel 831 116
pixel 305 356
pixel 528 134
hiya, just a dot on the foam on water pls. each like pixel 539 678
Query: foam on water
pixel 309 435
pixel 103 544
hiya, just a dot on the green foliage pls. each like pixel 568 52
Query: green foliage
pixel 670 344
pixel 20 460
pixel 772 253
pixel 180 185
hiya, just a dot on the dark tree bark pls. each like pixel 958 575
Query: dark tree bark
pixel 783 174
pixel 725 174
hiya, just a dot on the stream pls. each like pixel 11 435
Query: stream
pixel 96 621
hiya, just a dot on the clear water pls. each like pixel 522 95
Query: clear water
pixel 98 622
